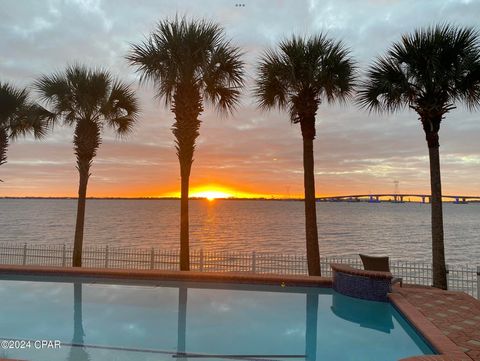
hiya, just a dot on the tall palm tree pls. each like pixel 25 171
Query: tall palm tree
pixel 88 100
pixel 18 117
pixel 190 63
pixel 429 71
pixel 297 77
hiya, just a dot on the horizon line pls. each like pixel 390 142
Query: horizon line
pixel 272 198
pixel 154 198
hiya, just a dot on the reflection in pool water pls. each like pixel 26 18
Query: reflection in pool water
pixel 361 312
pixel 168 321
pixel 78 351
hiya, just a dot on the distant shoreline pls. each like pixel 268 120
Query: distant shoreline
pixel 162 198
pixel 218 199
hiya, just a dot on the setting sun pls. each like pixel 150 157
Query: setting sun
pixel 217 191
pixel 211 194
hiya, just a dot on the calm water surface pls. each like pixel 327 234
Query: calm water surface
pixel 399 230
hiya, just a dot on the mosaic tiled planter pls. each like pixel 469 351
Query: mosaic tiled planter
pixel 358 283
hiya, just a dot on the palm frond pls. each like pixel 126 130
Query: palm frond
pixel 20 116
pixel 431 68
pixel 121 109
pixel 272 83
pixel 31 119
pixel 12 100
pixel 57 93
pixel 89 100
pixel 3 145
pixel 182 51
pixel 468 83
pixel 155 65
pixel 302 72
pixel 338 73
pixel 387 87
pixel 223 77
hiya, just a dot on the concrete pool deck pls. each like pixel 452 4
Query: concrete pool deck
pixel 449 321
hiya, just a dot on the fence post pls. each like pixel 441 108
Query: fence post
pixel 24 254
pixel 447 268
pixel 478 282
pixel 152 258
pixel 64 256
pixel 254 262
pixel 201 260
pixel 106 256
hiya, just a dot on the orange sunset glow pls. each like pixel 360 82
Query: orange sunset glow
pixel 213 191
pixel 250 153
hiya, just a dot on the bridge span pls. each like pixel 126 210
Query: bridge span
pixel 396 198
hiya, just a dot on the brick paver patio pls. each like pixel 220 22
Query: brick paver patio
pixel 455 314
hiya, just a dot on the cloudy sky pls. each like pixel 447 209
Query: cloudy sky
pixel 251 152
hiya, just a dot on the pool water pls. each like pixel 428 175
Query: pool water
pixel 97 321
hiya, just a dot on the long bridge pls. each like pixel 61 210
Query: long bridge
pixel 396 198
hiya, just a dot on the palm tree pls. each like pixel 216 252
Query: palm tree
pixel 429 71
pixel 88 100
pixel 297 77
pixel 190 63
pixel 18 117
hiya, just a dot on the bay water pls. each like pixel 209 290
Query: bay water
pixel 399 230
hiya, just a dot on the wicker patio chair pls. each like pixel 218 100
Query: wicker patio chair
pixel 382 264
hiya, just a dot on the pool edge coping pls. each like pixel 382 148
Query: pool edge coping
pixel 235 277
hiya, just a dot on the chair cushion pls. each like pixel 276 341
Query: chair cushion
pixel 371 263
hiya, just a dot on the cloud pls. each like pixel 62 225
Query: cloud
pixel 253 151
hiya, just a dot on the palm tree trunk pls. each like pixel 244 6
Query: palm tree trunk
pixel 187 106
pixel 438 248
pixel 184 222
pixel 79 227
pixel 86 141
pixel 313 254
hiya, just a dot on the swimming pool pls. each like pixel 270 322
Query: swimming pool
pixel 96 320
